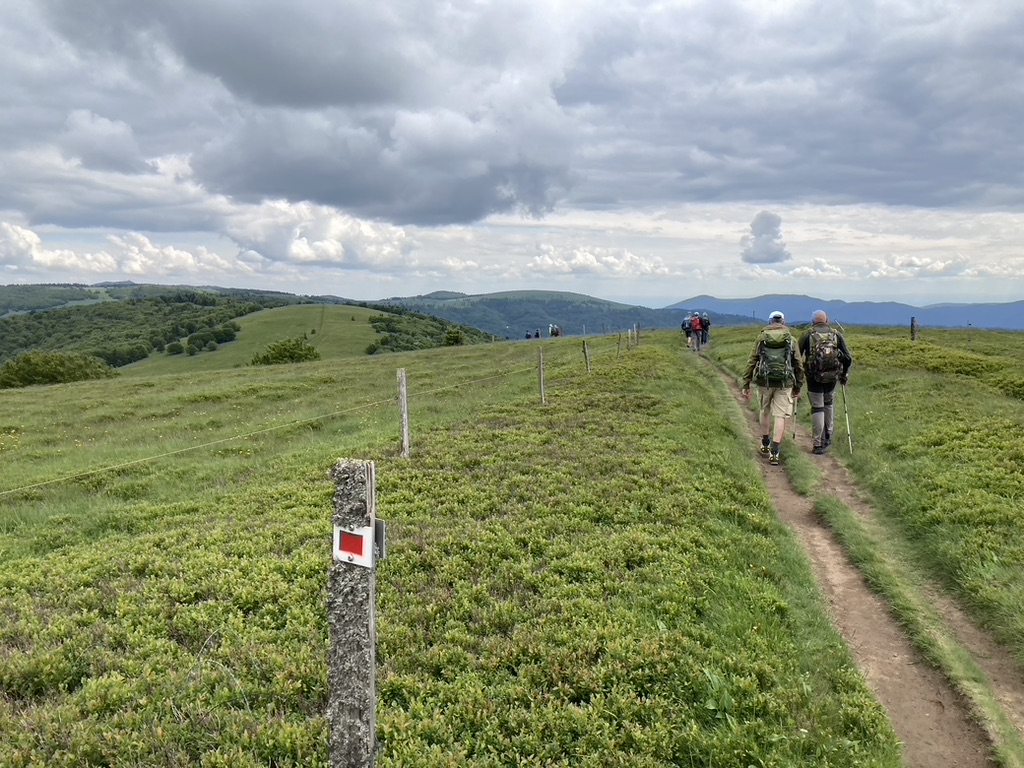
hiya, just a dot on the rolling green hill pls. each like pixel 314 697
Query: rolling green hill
pixel 165 329
pixel 122 331
pixel 336 331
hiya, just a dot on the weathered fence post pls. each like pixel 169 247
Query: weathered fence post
pixel 543 398
pixel 636 334
pixel 586 355
pixel 913 329
pixel 359 541
pixel 618 349
pixel 403 398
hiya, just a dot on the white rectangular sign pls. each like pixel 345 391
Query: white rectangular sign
pixel 354 545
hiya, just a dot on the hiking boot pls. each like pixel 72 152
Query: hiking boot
pixel 826 440
pixel 773 458
pixel 765 442
pixel 818 450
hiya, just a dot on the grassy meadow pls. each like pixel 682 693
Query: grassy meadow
pixel 598 581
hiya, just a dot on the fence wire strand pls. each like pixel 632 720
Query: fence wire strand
pixel 157 457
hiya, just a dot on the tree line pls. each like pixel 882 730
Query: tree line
pixel 122 332
pixel 22 298
pixel 401 330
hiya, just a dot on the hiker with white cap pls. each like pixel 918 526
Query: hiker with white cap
pixel 776 368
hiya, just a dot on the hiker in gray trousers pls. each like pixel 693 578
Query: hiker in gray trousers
pixel 822 377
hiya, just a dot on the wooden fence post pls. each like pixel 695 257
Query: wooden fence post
pixel 543 398
pixel 913 329
pixel 403 399
pixel 586 355
pixel 618 349
pixel 358 542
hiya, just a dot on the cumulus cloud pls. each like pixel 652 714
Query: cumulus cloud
pixel 764 244
pixel 608 262
pixel 139 256
pixel 21 247
pixel 130 254
pixel 1007 269
pixel 906 266
pixel 818 268
pixel 310 234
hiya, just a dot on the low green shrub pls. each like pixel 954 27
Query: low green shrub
pixel 296 350
pixel 40 367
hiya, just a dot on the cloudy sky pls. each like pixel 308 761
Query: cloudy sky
pixel 638 151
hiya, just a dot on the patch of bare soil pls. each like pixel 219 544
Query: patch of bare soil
pixel 928 715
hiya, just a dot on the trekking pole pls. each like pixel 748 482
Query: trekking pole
pixel 846 409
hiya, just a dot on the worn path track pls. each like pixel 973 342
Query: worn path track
pixel 929 716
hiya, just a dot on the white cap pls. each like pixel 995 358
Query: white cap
pixel 776 315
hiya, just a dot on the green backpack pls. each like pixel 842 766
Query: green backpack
pixel 775 359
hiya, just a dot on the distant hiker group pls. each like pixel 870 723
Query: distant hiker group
pixel 779 365
pixel 697 329
pixel 553 331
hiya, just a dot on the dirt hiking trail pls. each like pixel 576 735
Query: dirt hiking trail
pixel 930 717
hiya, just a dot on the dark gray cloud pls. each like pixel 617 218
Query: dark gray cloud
pixel 635 103
pixel 872 103
pixel 102 144
pixel 764 244
pixel 406 111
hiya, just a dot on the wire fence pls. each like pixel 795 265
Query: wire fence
pixel 624 342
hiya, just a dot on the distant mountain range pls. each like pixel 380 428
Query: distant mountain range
pixel 513 314
pixel 798 309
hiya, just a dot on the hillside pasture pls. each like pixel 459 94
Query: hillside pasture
pixel 336 331
pixel 597 581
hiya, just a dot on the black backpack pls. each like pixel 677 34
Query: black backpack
pixel 824 361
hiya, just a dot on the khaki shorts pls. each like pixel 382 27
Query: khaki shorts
pixel 777 400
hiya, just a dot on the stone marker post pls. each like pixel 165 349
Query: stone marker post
pixel 359 540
